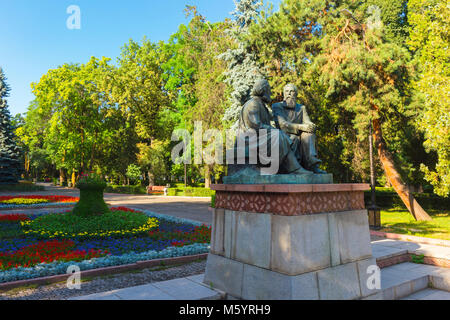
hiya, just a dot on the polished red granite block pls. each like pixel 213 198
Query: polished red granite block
pixel 290 200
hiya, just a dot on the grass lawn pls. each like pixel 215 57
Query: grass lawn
pixel 399 220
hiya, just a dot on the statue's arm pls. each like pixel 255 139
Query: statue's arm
pixel 254 119
pixel 305 117
pixel 282 122
pixel 309 125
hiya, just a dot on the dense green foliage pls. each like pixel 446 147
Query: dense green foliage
pixel 21 187
pixel 430 27
pixel 190 192
pixel 356 64
pixel 10 167
pixel 125 189
pixel 389 199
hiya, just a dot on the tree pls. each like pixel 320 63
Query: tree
pixel 154 160
pixel 394 16
pixel 429 32
pixel 10 166
pixel 195 74
pixel 133 172
pixel 137 87
pixel 76 109
pixel 243 68
pixel 366 76
pixel 347 80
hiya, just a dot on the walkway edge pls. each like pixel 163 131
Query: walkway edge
pixel 404 237
pixel 104 271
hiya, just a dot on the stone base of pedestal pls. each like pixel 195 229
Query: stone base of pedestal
pixel 246 281
pixel 271 255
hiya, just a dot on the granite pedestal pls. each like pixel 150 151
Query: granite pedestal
pixel 297 242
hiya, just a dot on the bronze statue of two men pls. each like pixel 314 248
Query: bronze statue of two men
pixel 294 130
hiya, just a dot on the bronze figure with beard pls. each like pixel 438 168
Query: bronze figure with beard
pixel 293 119
pixel 255 116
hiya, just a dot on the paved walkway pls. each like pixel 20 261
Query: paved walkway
pixel 189 288
pixel 388 248
pixel 404 281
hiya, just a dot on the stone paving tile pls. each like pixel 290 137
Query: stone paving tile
pixel 197 278
pixel 387 242
pixel 385 252
pixel 145 292
pixel 176 289
pixel 109 295
pixel 185 289
pixel 395 272
pixel 389 280
pixel 420 294
pixel 427 268
pixel 437 295
pixel 404 266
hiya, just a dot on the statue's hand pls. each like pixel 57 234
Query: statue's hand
pixel 308 127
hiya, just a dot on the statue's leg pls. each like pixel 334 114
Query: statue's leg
pixel 289 148
pixel 296 148
pixel 308 150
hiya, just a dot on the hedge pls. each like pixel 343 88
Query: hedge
pixel 125 189
pixel 21 187
pixel 190 192
pixel 387 198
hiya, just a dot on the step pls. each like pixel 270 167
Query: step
pixel 404 279
pixel 387 247
pixel 189 288
pixel 429 294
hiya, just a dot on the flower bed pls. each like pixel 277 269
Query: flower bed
pixel 35 201
pixel 26 256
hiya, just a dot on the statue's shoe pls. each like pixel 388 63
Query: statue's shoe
pixel 302 171
pixel 317 170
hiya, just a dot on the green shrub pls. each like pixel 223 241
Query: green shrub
pixel 21 187
pixel 91 201
pixel 388 198
pixel 190 192
pixel 126 189
pixel 213 201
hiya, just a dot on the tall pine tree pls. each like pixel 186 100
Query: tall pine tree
pixel 243 69
pixel 10 168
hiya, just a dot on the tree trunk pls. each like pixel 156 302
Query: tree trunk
pixel 207 176
pixel 151 180
pixel 74 178
pixel 61 177
pixel 394 178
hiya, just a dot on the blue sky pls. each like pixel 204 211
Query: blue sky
pixel 35 38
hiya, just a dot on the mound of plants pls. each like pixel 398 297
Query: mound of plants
pixel 34 201
pixel 70 224
pixel 48 243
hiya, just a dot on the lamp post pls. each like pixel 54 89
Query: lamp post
pixel 373 210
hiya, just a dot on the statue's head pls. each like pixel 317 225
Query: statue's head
pixel 262 89
pixel 290 95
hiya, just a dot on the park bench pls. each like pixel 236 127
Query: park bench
pixel 157 189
